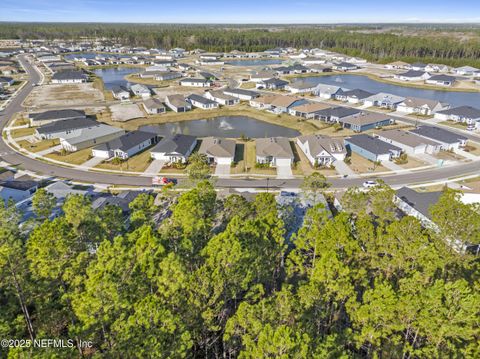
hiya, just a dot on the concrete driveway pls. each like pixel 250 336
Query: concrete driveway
pixel 49 150
pixel 222 170
pixel 343 169
pixel 284 171
pixel 154 167
pixel 92 162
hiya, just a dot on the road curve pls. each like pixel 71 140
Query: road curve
pixel 53 170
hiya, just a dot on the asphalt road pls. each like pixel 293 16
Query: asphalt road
pixel 52 170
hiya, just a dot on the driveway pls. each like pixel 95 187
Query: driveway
pixel 392 166
pixel 49 150
pixel 427 158
pixel 92 162
pixel 154 167
pixel 222 170
pixel 284 171
pixel 343 169
pixel 465 154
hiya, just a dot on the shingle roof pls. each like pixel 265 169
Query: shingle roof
pixel 438 134
pixel 421 201
pixel 127 141
pixel 217 147
pixel 339 112
pixel 372 144
pixel 57 114
pixel 178 143
pixel 319 143
pixel 406 138
pixel 278 147
pixel 412 73
pixel 201 99
pixel 65 125
pixel 69 75
pixel 463 111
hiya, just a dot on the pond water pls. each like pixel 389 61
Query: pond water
pixel 253 62
pixel 365 83
pixel 115 76
pixel 227 126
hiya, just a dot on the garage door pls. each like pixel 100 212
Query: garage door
pixel 283 162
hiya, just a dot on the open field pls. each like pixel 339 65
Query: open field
pixel 64 95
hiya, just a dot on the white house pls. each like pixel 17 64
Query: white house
pixel 420 106
pixel 202 102
pixel 174 148
pixel 191 82
pixel 412 75
pixel 141 91
pixel 409 142
pixel 125 146
pixel 466 114
pixel 69 77
pixel 322 150
pixel 221 98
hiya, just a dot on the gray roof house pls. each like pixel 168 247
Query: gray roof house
pixel 202 102
pixel 409 142
pixel 192 82
pixel 441 80
pixel 174 148
pixel 412 75
pixel 69 77
pixel 417 204
pixel 126 145
pixel 372 148
pixel 353 96
pixel 42 118
pixel 334 114
pixel 327 91
pixel 63 128
pixel 141 90
pixel 120 92
pixel 274 151
pixel 449 140
pixel 467 114
pixel 218 150
pixel 364 121
pixel 384 100
pixel 220 97
pixel 421 106
pixel 91 136
pixel 177 103
pixel 153 106
pixel 322 150
pixel 245 95
pixel 272 84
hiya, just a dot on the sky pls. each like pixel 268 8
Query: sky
pixel 245 11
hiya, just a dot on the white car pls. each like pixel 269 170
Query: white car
pixel 369 184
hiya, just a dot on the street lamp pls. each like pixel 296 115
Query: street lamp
pixel 268 179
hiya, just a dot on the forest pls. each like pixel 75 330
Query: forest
pixel 383 47
pixel 220 278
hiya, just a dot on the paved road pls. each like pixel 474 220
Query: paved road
pixel 14 158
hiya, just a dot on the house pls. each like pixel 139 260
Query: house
pixel 412 75
pixel 18 189
pixel 202 102
pixel 313 61
pixel 126 145
pixel 221 98
pixel 184 67
pixel 91 136
pixel 207 76
pixel 244 95
pixel 322 150
pixel 420 106
pixel 448 140
pixel 141 90
pixel 335 114
pixel 174 148
pixel 218 150
pixel 153 106
pixel 263 102
pixel 364 121
pixel 120 93
pixel 63 128
pixel 191 82
pixel 437 68
pixel 177 103
pixel 418 66
pixel 262 76
pixel 353 96
pixel 6 81
pixel 417 204
pixel 397 65
pixel 281 104
pixel 409 142
pixel 441 80
pixel 327 91
pixel 272 84
pixel 344 66
pixel 69 77
pixel 307 110
pixel 211 62
pixel 166 75
pixel 290 70
pixel 43 118
pixel 8 70
pixel 274 151
pixel 121 200
pixel 301 87
pixel 467 114
pixel 383 100
pixel 372 148
pixel 465 71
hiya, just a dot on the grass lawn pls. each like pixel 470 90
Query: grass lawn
pixel 20 120
pixel 360 164
pixel 308 169
pixel 75 158
pixel 446 155
pixel 454 124
pixel 413 163
pixel 20 132
pixel 137 163
pixel 251 160
pixel 240 152
pixel 473 148
pixel 38 146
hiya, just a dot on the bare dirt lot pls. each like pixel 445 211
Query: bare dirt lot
pixel 64 95
pixel 125 112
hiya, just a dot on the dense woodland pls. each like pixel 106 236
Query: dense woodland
pixel 383 46
pixel 218 279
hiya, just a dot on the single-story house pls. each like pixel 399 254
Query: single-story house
pixel 467 114
pixel 153 106
pixel 43 118
pixel 421 106
pixel 211 62
pixel 6 81
pixel 191 82
pixel 177 103
pixel 441 80
pixel 307 110
pixel 327 91
pixel 412 75
pixel 91 136
pixel 383 100
pixel 174 148
pixel 465 71
pixel 322 150
pixel 243 95
pixel 437 68
pixel 396 65
pixel 364 121
pixel 18 189
pixel 418 66
pixel 275 151
pixel 207 76
pixel 372 148
pixel 167 75
pixel 220 97
pixel 202 102
pixel 313 61
pixel 272 84
pixel 353 96
pixel 126 145
pixel 449 140
pixel 417 204
pixel 69 77
pixel 344 66
pixel 141 90
pixel 218 150
pixel 281 104
pixel 301 87
pixel 409 142
pixel 261 76
pixel 8 70
pixel 120 92
pixel 263 102
pixel 335 114
pixel 63 128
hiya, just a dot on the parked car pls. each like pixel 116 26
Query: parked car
pixel 369 184
pixel 470 127
pixel 163 181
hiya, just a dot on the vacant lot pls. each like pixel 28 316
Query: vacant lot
pixel 125 112
pixel 64 95
pixel 360 164
pixel 75 158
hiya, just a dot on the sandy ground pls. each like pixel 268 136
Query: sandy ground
pixel 125 112
pixel 64 95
